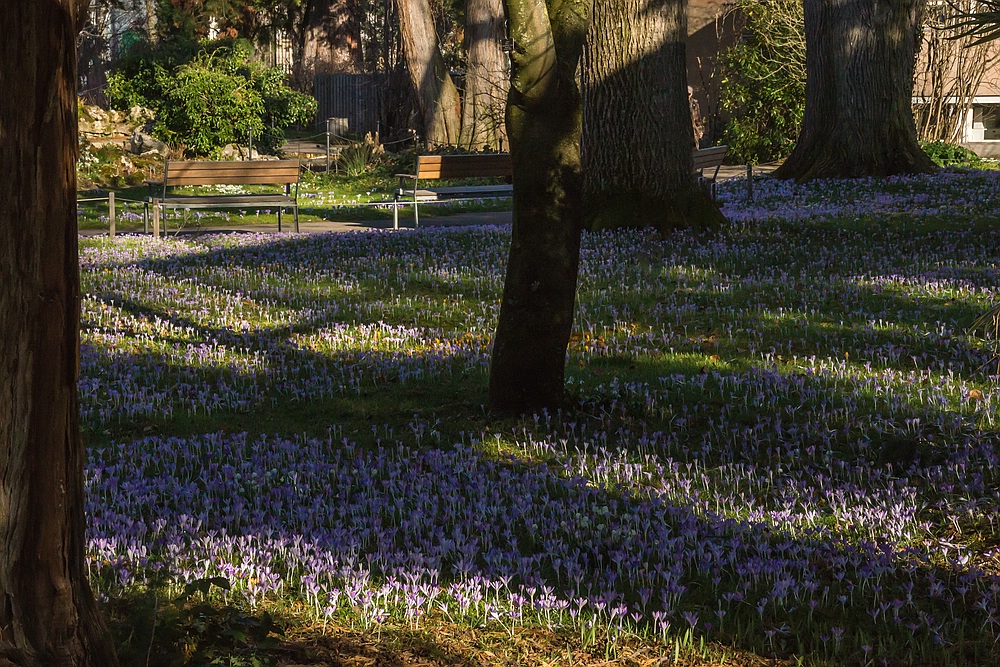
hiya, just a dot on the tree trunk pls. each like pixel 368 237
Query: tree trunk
pixel 437 96
pixel 486 77
pixel 544 125
pixel 48 616
pixel 330 40
pixel 858 119
pixel 150 6
pixel 637 126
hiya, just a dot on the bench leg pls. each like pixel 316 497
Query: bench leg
pixel 279 218
pixel 416 213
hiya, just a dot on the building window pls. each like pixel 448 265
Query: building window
pixel 985 122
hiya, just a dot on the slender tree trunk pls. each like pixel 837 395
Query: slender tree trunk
pixel 48 616
pixel 858 119
pixel 330 39
pixel 637 128
pixel 437 96
pixel 544 125
pixel 486 77
pixel 150 6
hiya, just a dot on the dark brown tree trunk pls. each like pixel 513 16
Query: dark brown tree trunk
pixel 858 118
pixel 437 96
pixel 486 77
pixel 637 129
pixel 544 124
pixel 330 40
pixel 48 616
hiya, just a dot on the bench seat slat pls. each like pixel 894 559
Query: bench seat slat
pixel 227 201
pixel 458 191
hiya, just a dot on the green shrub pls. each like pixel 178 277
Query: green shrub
pixel 208 95
pixel 944 154
pixel 762 79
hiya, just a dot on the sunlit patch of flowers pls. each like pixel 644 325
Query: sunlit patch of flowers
pixel 781 436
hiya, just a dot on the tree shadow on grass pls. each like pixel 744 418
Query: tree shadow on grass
pixel 536 509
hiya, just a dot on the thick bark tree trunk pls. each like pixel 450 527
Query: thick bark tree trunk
pixel 544 125
pixel 637 128
pixel 330 40
pixel 858 119
pixel 437 96
pixel 48 616
pixel 486 77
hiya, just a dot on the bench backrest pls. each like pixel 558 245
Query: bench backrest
pixel 706 158
pixel 257 172
pixel 464 166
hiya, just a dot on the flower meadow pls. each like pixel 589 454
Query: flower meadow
pixel 781 438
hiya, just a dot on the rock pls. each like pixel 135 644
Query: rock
pixel 87 127
pixel 140 115
pixel 235 152
pixel 142 143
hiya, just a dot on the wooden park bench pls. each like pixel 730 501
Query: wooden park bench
pixel 447 167
pixel 177 173
pixel 708 160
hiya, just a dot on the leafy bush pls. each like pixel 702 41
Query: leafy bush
pixel 208 95
pixel 944 154
pixel 763 80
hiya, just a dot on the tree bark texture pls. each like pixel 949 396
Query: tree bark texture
pixel 637 126
pixel 544 123
pixel 48 616
pixel 330 39
pixel 486 76
pixel 858 119
pixel 436 93
pixel 151 33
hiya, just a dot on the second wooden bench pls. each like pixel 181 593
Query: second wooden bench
pixel 705 160
pixel 445 167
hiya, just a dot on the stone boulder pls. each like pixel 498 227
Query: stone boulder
pixel 143 143
pixel 236 152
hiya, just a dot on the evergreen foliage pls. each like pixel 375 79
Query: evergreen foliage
pixel 209 94
pixel 763 80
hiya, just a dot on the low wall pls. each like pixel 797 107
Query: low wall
pixel 990 149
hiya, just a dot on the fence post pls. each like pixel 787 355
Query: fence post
pixel 328 145
pixel 111 214
pixel 156 218
pixel 749 182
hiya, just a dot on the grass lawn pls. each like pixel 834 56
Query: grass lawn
pixel 782 446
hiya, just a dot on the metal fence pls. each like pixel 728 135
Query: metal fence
pixel 356 97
